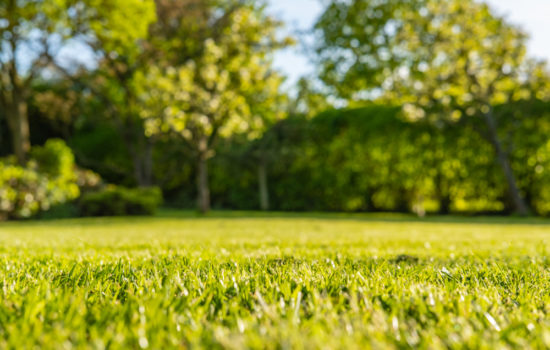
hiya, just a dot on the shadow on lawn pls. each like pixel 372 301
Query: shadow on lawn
pixel 372 217
pixel 177 214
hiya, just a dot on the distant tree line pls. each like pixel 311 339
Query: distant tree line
pixel 445 111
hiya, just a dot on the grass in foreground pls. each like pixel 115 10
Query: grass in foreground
pixel 274 282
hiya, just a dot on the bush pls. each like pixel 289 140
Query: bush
pixel 117 201
pixel 54 159
pixel 46 180
pixel 60 211
pixel 87 180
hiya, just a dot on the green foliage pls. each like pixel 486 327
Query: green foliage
pixel 54 159
pixel 451 55
pixel 355 45
pixel 120 201
pixel 64 210
pixel 299 282
pixel 39 30
pixel 97 146
pixel 469 69
pixel 308 100
pixel 118 27
pixel 220 87
pixel 524 128
pixel 373 159
pixel 48 179
pixel 220 83
pixel 448 61
pixel 198 82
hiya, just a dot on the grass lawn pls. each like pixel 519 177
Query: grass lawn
pixel 245 280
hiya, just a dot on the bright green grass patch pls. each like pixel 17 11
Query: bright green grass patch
pixel 247 281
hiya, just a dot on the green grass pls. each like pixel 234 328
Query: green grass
pixel 244 280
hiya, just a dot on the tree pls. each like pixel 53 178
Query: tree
pixel 356 47
pixel 119 41
pixel 33 35
pixel 466 62
pixel 25 25
pixel 308 99
pixel 448 61
pixel 266 108
pixel 203 92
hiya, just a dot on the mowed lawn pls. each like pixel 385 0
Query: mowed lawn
pixel 243 280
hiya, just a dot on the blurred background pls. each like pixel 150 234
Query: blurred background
pixel 417 106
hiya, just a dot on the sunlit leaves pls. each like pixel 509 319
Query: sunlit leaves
pixel 119 25
pixel 453 56
pixel 220 90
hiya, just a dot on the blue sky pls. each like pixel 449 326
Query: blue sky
pixel 531 15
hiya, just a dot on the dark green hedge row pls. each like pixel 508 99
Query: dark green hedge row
pixel 360 159
pixel 120 201
pixel 370 159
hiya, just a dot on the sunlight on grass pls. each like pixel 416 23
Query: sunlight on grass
pixel 236 280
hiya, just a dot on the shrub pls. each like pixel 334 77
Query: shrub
pixel 54 159
pixel 87 180
pixel 117 200
pixel 60 211
pixel 47 179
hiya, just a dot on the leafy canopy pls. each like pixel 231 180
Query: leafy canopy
pixel 453 54
pixel 209 90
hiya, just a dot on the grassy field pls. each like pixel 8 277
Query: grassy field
pixel 238 280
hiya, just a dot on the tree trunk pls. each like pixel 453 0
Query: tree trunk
pixel 444 204
pixel 502 158
pixel 148 163
pixel 141 151
pixel 142 160
pixel 262 184
pixel 138 173
pixel 18 122
pixel 442 195
pixel 203 191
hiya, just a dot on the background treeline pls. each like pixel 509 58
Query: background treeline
pixel 177 102
pixel 358 159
